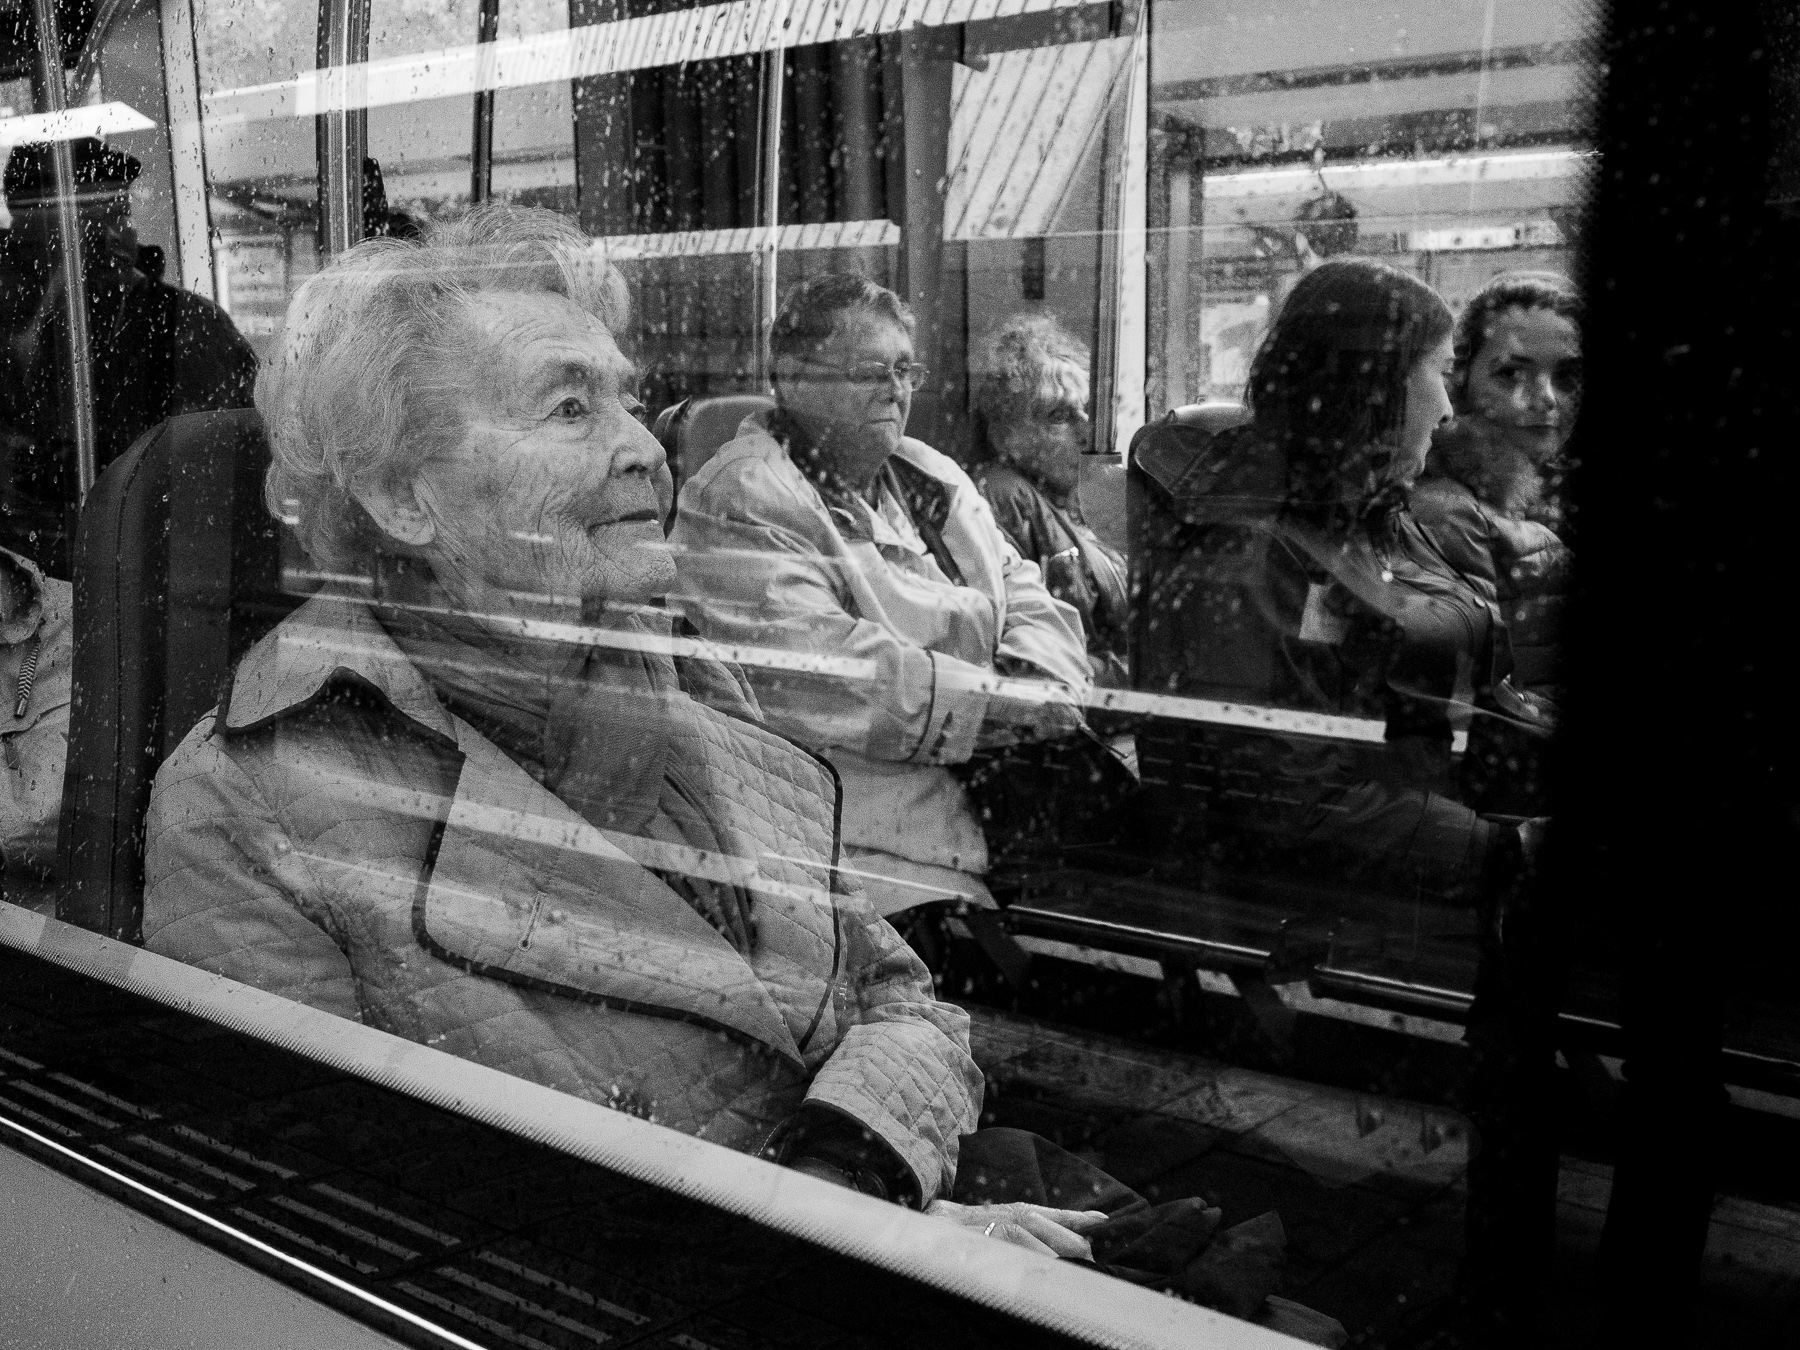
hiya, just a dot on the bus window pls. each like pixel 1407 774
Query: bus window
pixel 1454 146
pixel 260 160
pixel 108 275
pixel 531 156
pixel 673 166
pixel 962 599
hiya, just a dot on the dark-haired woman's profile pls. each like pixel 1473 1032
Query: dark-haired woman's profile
pixel 1303 581
pixel 1286 569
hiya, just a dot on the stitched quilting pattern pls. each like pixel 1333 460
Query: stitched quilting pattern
pixel 290 857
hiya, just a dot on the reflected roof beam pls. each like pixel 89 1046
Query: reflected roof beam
pixel 73 124
pixel 705 33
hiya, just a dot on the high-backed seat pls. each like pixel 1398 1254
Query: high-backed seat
pixel 177 572
pixel 693 430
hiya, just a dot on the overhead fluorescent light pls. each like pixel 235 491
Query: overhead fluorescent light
pixel 73 124
pixel 1366 175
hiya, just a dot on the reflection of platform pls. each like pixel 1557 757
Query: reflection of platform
pixel 1370 1189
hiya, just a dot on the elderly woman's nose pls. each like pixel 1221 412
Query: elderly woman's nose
pixel 638 452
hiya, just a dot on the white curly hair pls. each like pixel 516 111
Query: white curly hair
pixel 367 378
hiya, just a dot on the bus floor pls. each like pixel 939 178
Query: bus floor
pixel 1370 1189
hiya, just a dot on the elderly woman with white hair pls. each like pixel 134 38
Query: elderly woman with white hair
pixel 483 801
pixel 1030 428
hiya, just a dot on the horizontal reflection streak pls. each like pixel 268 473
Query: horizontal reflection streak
pixel 587 635
pixel 675 37
pixel 1170 707
pixel 570 836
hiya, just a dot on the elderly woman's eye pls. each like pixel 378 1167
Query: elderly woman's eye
pixel 633 405
pixel 570 407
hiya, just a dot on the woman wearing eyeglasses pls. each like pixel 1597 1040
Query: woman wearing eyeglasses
pixel 825 530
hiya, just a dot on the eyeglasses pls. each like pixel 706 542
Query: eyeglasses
pixel 878 372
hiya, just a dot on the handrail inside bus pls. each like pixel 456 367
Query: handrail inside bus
pixel 1057 1295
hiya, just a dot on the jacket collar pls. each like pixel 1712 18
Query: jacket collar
pixel 1469 452
pixel 924 485
pixel 328 640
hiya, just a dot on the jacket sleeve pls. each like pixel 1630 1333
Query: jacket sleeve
pixel 1460 526
pixel 226 891
pixel 1039 631
pixel 902 1067
pixel 759 567
pixel 1529 560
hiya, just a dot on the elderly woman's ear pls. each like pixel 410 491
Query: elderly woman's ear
pixel 400 509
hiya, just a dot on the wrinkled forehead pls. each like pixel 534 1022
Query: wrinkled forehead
pixel 525 334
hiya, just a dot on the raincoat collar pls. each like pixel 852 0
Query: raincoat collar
pixel 328 639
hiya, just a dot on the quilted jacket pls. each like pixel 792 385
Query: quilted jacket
pixel 333 834
pixel 765 561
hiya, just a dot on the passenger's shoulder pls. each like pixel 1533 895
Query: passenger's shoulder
pixel 752 478
pixel 1441 495
pixel 933 462
pixel 197 309
pixel 1457 523
pixel 1003 484
pixel 752 460
pixel 206 772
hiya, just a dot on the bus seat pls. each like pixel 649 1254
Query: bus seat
pixel 706 424
pixel 177 572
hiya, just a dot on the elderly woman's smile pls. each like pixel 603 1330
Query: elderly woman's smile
pixel 554 488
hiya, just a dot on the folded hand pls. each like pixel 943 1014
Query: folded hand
pixel 1038 1228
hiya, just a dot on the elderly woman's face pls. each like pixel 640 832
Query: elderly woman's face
pixel 858 416
pixel 556 488
pixel 1046 443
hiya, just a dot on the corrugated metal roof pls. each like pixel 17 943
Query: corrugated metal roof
pixel 1019 131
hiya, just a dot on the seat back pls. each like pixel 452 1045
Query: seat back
pixel 177 572
pixel 705 424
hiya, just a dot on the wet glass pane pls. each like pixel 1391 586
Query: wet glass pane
pixel 110 323
pixel 260 154
pixel 962 601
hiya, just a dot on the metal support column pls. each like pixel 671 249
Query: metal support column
pixel 481 147
pixel 768 209
pixel 927 59
pixel 343 126
pixel 52 98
